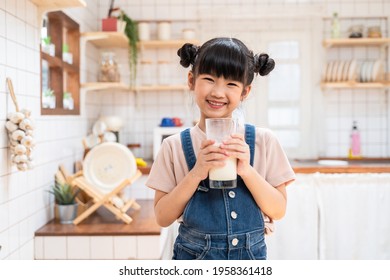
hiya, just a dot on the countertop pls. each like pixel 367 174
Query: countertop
pixel 103 222
pixel 341 165
pixel 364 165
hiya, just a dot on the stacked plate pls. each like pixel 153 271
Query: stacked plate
pixel 366 71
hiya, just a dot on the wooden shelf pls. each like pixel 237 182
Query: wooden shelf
pixel 59 4
pixel 165 44
pixel 350 42
pixel 106 39
pixel 121 86
pixel 355 85
pixel 161 88
pixel 104 86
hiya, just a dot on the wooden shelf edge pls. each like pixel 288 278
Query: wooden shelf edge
pixel 355 85
pixel 104 86
pixel 166 44
pixel 329 43
pixel 102 39
pixel 161 88
pixel 49 4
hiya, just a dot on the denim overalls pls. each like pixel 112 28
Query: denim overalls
pixel 220 224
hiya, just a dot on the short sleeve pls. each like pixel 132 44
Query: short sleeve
pixel 161 176
pixel 278 170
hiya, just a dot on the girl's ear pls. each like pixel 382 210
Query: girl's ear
pixel 245 92
pixel 191 80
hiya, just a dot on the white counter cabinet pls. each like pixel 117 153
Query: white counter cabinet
pixel 334 216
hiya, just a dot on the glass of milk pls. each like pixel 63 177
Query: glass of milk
pixel 220 129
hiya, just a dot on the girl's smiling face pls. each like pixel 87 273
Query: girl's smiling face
pixel 216 97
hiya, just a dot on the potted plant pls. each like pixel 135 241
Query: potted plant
pixel 48 99
pixel 131 31
pixel 65 202
pixel 47 46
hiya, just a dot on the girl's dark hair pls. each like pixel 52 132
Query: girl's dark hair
pixel 227 57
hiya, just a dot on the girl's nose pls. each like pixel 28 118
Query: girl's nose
pixel 218 91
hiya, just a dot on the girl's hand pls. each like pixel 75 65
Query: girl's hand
pixel 208 157
pixel 238 148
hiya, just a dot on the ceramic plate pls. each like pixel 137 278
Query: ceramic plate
pixel 335 70
pixel 352 71
pixel 340 70
pixel 345 70
pixel 109 137
pixel 107 165
pixel 369 71
pixel 377 71
pixel 329 71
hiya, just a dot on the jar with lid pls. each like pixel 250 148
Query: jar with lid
pixel 109 71
pixel 374 32
pixel 164 30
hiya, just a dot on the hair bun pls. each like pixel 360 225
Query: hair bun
pixel 264 64
pixel 187 54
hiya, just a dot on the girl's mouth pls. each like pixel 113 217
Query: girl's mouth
pixel 216 104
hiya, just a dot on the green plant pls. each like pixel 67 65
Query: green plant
pixel 47 40
pixel 64 193
pixel 131 31
pixel 48 92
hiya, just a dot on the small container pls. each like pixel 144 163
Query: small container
pixel 356 31
pixel 109 71
pixel 164 30
pixel 374 32
pixel 143 31
pixel 188 34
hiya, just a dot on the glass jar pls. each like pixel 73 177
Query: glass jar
pixel 147 72
pixel 163 72
pixel 374 32
pixel 109 71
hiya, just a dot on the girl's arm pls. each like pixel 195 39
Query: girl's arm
pixel 170 206
pixel 271 200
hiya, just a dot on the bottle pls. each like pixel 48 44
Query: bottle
pixel 335 26
pixel 354 150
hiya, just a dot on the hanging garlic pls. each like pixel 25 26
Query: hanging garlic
pixel 20 159
pixel 30 132
pixel 11 127
pixel 27 141
pixel 26 124
pixel 16 117
pixel 20 149
pixel 22 166
pixel 18 134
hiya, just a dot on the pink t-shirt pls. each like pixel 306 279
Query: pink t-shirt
pixel 270 161
pixel 170 166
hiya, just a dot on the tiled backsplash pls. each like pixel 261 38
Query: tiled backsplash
pixel 24 203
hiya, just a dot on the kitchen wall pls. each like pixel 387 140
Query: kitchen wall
pixel 24 203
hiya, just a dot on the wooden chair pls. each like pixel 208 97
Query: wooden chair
pixel 112 201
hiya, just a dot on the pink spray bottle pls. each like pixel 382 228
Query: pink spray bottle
pixel 355 150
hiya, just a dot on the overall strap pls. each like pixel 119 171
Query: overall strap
pixel 186 144
pixel 250 139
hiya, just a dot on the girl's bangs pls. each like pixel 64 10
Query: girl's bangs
pixel 225 61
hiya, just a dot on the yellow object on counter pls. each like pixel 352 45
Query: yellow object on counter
pixel 141 162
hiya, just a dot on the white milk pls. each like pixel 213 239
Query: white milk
pixel 225 173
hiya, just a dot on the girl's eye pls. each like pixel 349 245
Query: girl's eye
pixel 208 79
pixel 233 84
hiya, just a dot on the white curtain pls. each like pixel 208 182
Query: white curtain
pixel 329 216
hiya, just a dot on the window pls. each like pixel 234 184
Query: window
pixel 60 60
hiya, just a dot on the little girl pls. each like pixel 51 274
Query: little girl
pixel 215 223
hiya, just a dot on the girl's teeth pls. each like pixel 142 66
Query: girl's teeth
pixel 215 103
